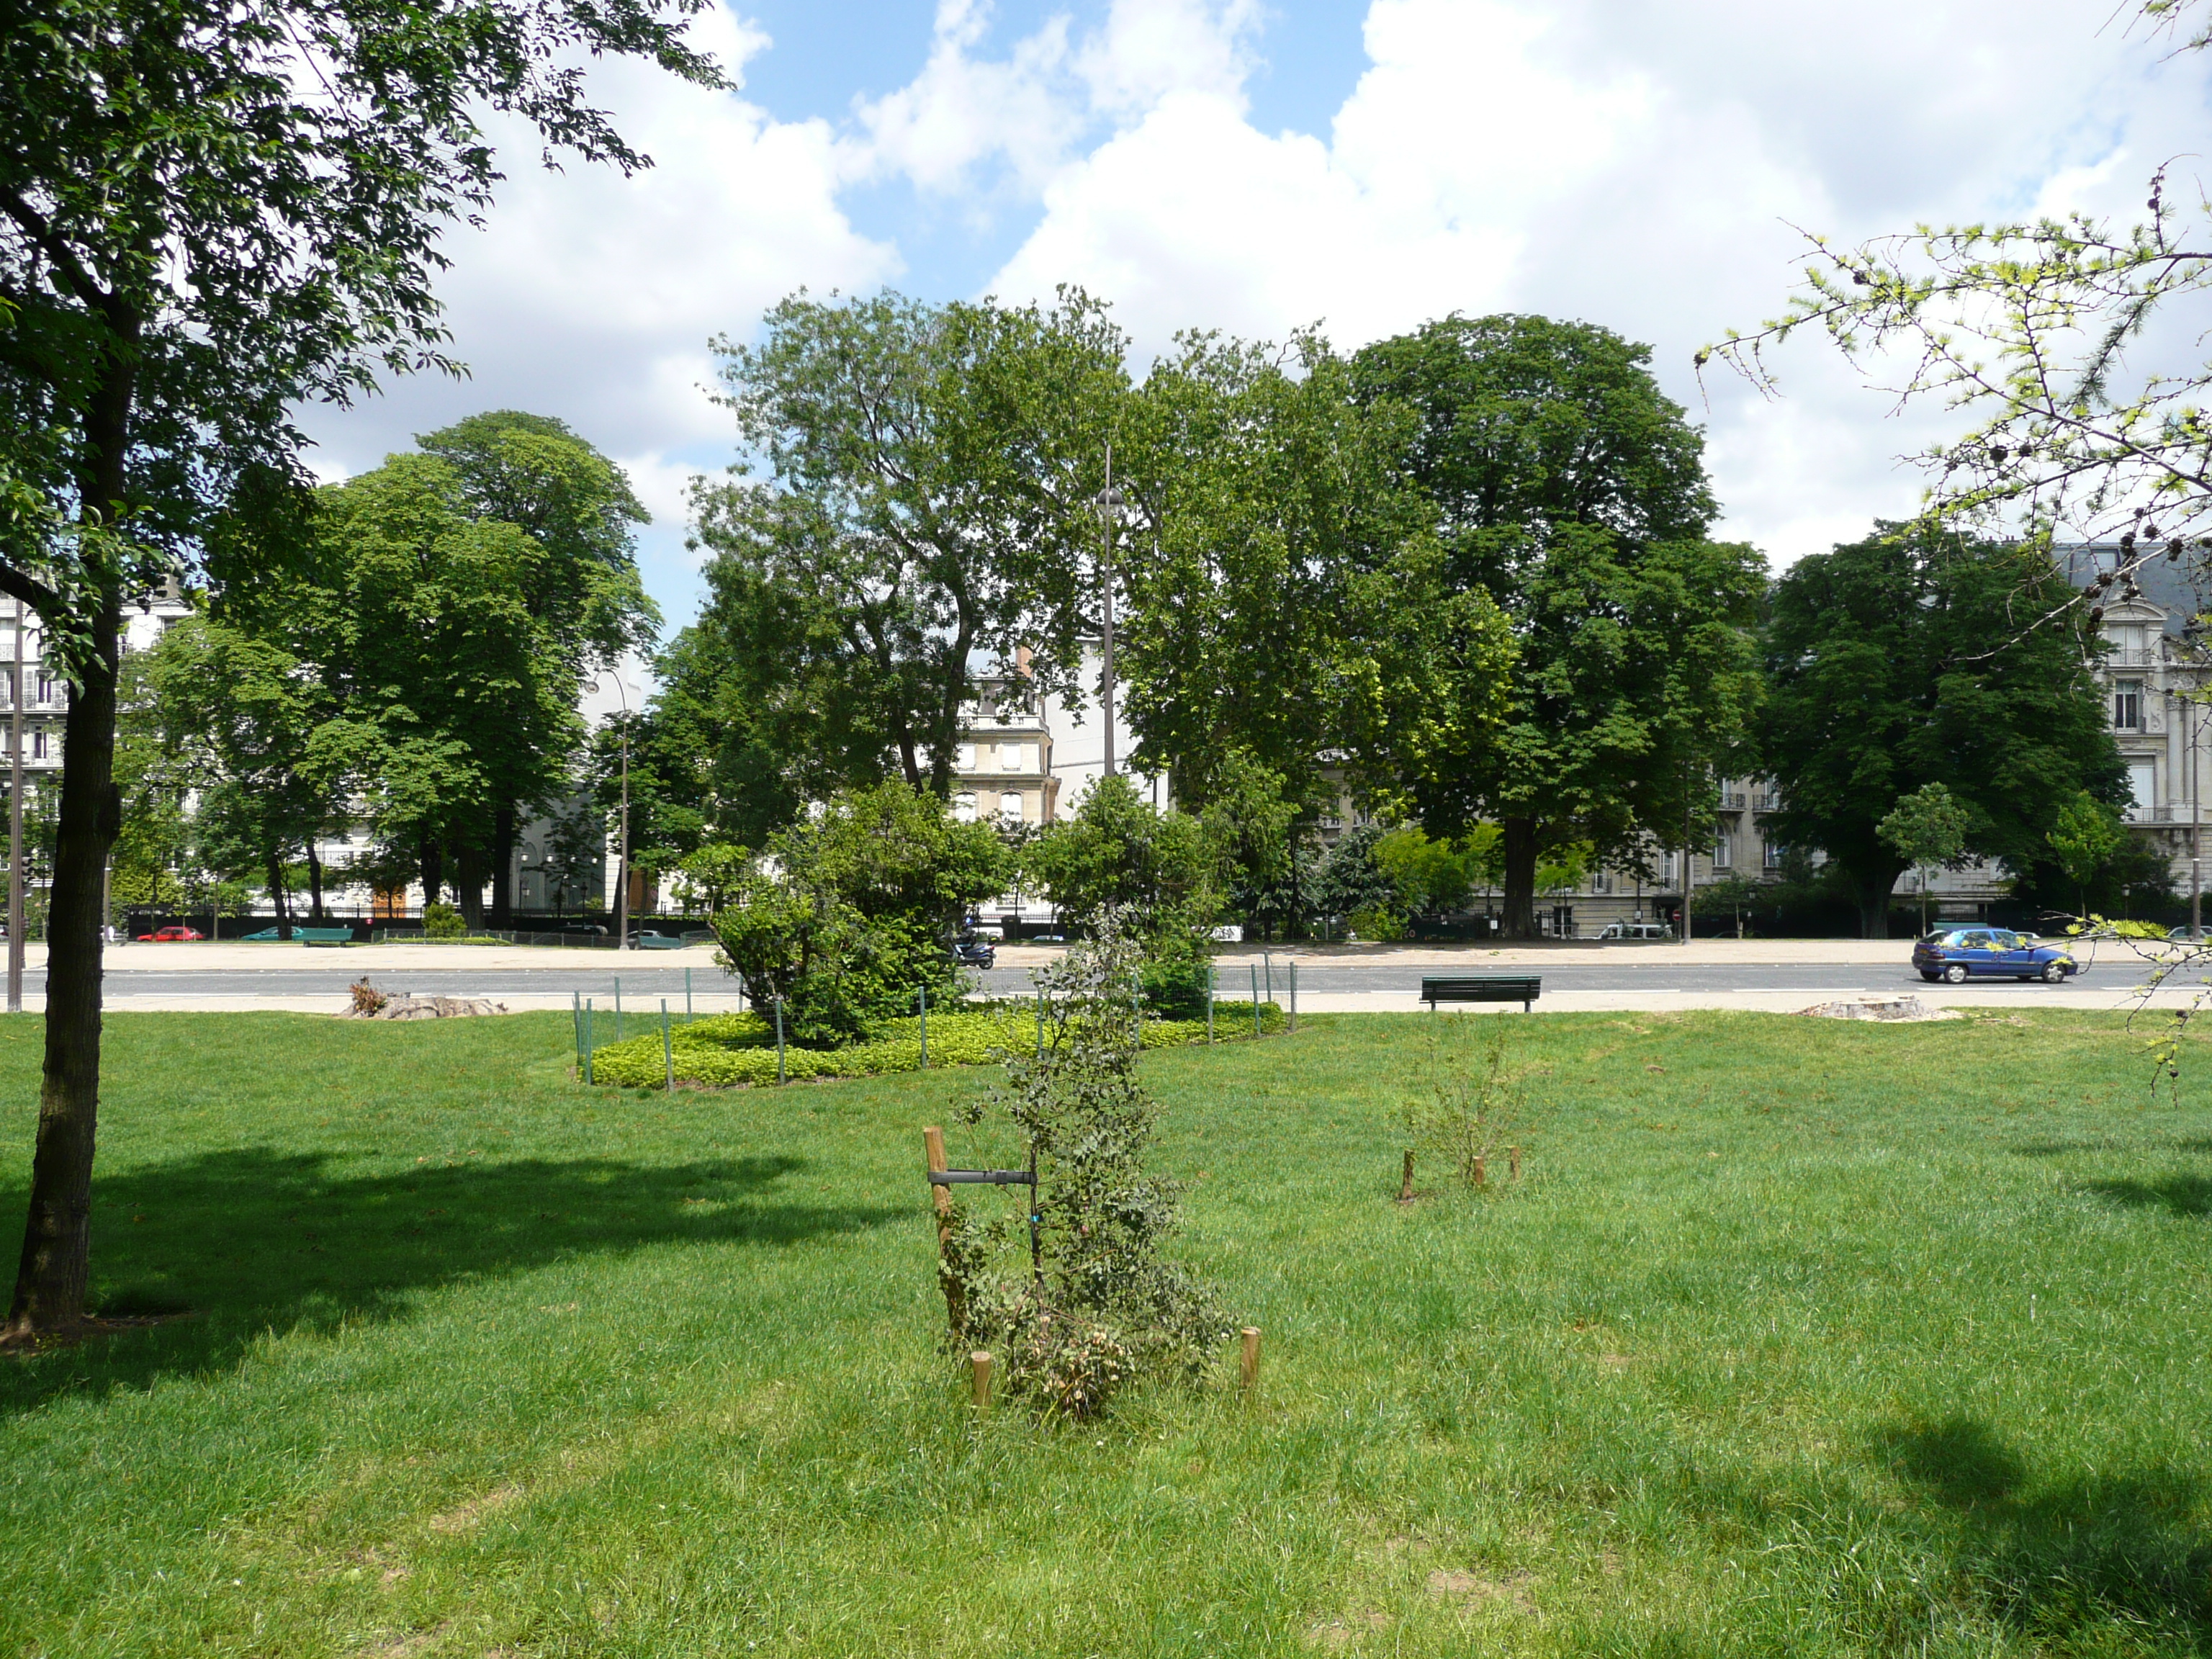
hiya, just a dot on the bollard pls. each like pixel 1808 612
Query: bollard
pixel 921 997
pixel 933 1154
pixel 1481 1177
pixel 1250 1364
pixel 979 1366
pixel 779 1041
pixel 576 1027
pixel 1513 1162
pixel 587 1039
pixel 1256 1001
pixel 667 1048
pixel 1406 1181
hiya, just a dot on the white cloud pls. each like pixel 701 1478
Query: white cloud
pixel 1637 167
pixel 592 296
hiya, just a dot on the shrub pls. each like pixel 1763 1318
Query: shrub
pixel 443 921
pixel 1103 1304
pixel 844 917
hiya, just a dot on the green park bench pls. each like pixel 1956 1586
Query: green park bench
pixel 1523 988
pixel 323 935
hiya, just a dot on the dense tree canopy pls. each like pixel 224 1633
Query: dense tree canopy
pixel 1569 492
pixel 928 506
pixel 1913 658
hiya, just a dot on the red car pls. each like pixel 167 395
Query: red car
pixel 172 935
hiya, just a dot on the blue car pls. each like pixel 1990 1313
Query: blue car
pixel 1959 954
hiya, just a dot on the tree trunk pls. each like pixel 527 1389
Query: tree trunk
pixel 1873 907
pixel 502 867
pixel 468 882
pixel 277 898
pixel 433 870
pixel 1520 903
pixel 50 1280
pixel 314 885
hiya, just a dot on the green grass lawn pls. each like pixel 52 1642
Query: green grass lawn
pixel 1797 1338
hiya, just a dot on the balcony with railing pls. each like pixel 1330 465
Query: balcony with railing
pixel 2180 812
pixel 1766 800
pixel 1731 800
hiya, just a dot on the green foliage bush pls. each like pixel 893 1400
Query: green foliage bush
pixel 1095 1302
pixel 443 921
pixel 725 1050
pixel 848 915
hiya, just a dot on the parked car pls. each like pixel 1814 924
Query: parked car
pixel 2179 934
pixel 173 934
pixel 1644 930
pixel 648 939
pixel 1959 954
pixel 974 952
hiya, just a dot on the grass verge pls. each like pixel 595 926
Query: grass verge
pixel 1797 1337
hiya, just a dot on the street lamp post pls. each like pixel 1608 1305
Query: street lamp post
pixel 621 853
pixel 1109 505
pixel 2196 879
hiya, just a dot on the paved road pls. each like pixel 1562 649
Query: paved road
pixel 642 983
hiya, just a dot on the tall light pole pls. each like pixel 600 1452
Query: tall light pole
pixel 1109 505
pixel 2196 727
pixel 621 856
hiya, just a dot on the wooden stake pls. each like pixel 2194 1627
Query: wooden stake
pixel 1251 1361
pixel 932 1149
pixel 1406 1181
pixel 1481 1179
pixel 1513 1162
pixel 978 1364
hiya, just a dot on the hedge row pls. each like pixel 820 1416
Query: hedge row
pixel 724 1050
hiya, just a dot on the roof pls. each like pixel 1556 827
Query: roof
pixel 2182 587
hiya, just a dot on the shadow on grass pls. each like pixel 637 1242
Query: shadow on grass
pixel 2062 1560
pixel 2183 1195
pixel 253 1239
pixel 2114 1144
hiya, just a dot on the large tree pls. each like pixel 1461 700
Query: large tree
pixel 1908 658
pixel 928 506
pixel 210 213
pixel 1569 491
pixel 1279 569
pixel 234 719
pixel 450 700
pixel 586 603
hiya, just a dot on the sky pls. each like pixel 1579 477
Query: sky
pixel 1254 167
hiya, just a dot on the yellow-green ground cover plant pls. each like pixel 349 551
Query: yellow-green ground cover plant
pixel 722 1050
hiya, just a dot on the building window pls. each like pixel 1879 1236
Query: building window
pixel 1723 854
pixel 1774 854
pixel 38 744
pixel 1602 881
pixel 1010 805
pixel 2127 705
pixel 45 687
pixel 963 808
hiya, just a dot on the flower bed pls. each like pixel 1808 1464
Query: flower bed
pixel 727 1050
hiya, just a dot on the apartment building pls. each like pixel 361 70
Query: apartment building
pixel 2156 672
